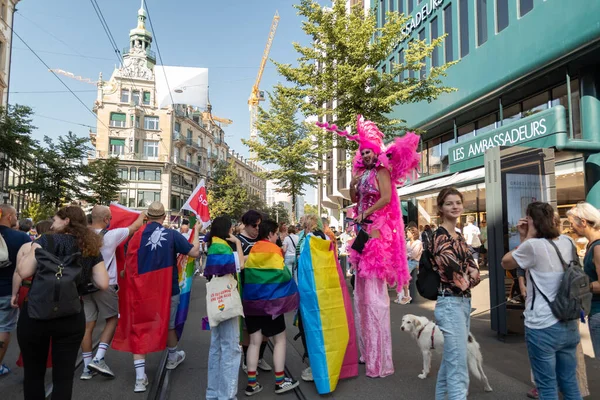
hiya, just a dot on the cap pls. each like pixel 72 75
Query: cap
pixel 156 210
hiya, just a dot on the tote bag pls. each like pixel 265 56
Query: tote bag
pixel 223 300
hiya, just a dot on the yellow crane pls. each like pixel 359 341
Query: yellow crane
pixel 256 96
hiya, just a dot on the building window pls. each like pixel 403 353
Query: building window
pixel 123 198
pixel 400 6
pixel 149 175
pixel 535 104
pixel 117 147
pixel 146 99
pixel 435 56
pixel 118 120
pixel 177 128
pixel 151 123
pixel 123 174
pixel 449 50
pixel 485 124
pixel 401 62
pixel 411 72
pixel 411 6
pixel 525 6
pixel 189 133
pixel 482 27
pixel 150 149
pixel 501 15
pixel 136 97
pixel 560 97
pixel 137 121
pixel 423 70
pixel 391 6
pixel 511 114
pixel 464 27
pixel 146 197
pixel 466 132
pixel 124 95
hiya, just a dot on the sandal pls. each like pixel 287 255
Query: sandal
pixel 406 300
pixel 4 370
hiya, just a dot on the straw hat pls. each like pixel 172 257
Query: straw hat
pixel 156 210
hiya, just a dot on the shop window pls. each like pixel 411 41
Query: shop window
pixel 466 132
pixel 511 114
pixel 525 6
pixel 464 27
pixel 447 141
pixel 435 156
pixel 146 197
pixel 123 198
pixel 570 188
pixel 535 104
pixel 559 97
pixel 485 124
pixel 482 26
pixel 501 15
pixel 448 44
pixel 435 55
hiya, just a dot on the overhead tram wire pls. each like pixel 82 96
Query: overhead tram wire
pixel 57 77
pixel 64 120
pixel 158 50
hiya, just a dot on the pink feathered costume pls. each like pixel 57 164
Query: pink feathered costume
pixel 383 260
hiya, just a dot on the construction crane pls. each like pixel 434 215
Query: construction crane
pixel 256 96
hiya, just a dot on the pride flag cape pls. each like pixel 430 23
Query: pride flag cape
pixel 185 268
pixel 327 316
pixel 220 260
pixel 144 320
pixel 269 289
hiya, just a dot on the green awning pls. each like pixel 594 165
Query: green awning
pixel 117 117
pixel 117 142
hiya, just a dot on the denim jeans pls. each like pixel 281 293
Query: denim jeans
pixel 224 360
pixel 553 358
pixel 594 324
pixel 453 318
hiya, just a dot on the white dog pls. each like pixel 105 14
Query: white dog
pixel 429 337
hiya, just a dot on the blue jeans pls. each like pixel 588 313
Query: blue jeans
pixel 224 360
pixel 594 324
pixel 453 318
pixel 552 354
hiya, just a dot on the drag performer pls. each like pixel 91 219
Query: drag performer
pixel 377 170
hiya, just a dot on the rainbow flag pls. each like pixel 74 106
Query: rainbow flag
pixel 269 289
pixel 185 269
pixel 326 312
pixel 220 260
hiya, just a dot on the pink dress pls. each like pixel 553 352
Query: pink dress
pixel 382 262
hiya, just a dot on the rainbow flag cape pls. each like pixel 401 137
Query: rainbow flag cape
pixel 327 317
pixel 185 268
pixel 220 260
pixel 269 289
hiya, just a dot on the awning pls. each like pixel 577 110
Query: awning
pixel 457 179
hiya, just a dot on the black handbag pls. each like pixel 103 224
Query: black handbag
pixel 360 241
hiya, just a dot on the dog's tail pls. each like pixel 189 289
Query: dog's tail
pixel 474 358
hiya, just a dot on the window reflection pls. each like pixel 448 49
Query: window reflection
pixel 466 132
pixel 535 104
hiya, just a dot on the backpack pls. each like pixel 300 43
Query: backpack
pixel 4 258
pixel 428 278
pixel 54 289
pixel 86 278
pixel 574 298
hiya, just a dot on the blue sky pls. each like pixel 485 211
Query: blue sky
pixel 228 37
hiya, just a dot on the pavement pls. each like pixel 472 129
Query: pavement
pixel 505 363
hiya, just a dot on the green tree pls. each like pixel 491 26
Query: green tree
pixel 38 211
pixel 310 209
pixel 287 144
pixel 104 183
pixel 343 63
pixel 279 213
pixel 255 202
pixel 15 135
pixel 226 194
pixel 59 175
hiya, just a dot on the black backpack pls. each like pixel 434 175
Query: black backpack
pixel 428 278
pixel 54 290
pixel 86 276
pixel 574 298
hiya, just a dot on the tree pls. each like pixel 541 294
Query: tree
pixel 344 60
pixel 287 144
pixel 15 135
pixel 278 212
pixel 59 175
pixel 104 182
pixel 226 194
pixel 310 209
pixel 37 211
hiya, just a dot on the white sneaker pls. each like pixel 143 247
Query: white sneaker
pixel 86 375
pixel 262 364
pixel 101 367
pixel 172 364
pixel 141 384
pixel 245 368
pixel 307 375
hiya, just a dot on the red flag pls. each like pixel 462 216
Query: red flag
pixel 198 204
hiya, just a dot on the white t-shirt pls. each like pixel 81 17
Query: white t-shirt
pixel 414 250
pixel 290 250
pixel 539 258
pixel 471 234
pixel 112 239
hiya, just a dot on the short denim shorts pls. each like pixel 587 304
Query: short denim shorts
pixel 8 315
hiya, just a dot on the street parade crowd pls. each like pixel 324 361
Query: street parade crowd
pixel 59 278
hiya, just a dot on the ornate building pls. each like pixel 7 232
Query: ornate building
pixel 163 152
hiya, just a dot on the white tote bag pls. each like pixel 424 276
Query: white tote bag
pixel 223 300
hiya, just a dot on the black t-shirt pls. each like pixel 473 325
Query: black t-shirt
pixel 14 240
pixel 247 243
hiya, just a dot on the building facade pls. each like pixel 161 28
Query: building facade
pixel 247 172
pixel 163 152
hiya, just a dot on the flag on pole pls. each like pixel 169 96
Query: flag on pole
pixel 198 204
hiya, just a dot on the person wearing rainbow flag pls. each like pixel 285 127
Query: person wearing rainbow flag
pixel 268 292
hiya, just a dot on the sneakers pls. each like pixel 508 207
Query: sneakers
pixel 262 364
pixel 287 385
pixel 4 370
pixel 307 375
pixel 172 364
pixel 86 375
pixel 101 367
pixel 245 367
pixel 140 385
pixel 251 391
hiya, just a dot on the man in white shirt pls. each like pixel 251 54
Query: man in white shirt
pixel 471 234
pixel 104 303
